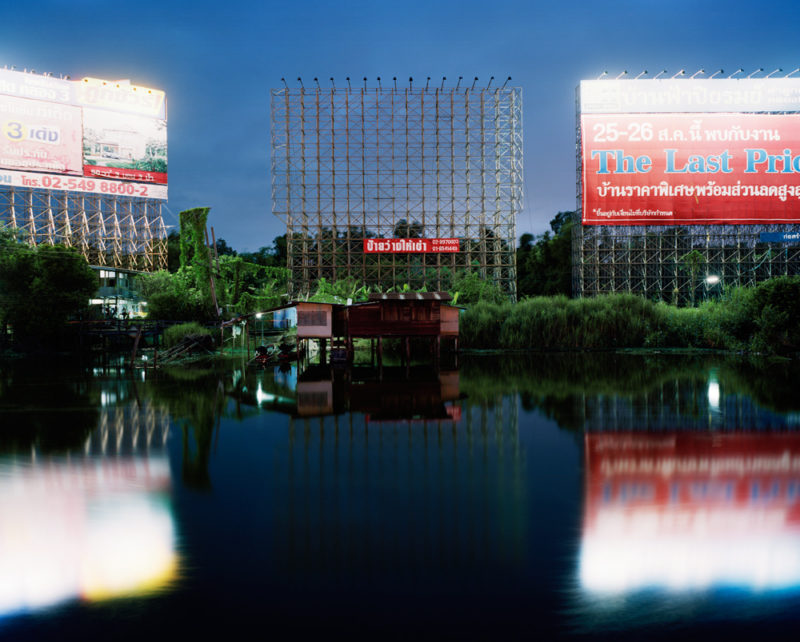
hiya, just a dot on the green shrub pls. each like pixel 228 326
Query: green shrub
pixel 481 324
pixel 177 333
pixel 763 319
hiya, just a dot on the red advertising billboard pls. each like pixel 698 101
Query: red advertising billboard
pixel 398 246
pixel 656 155
pixel 112 133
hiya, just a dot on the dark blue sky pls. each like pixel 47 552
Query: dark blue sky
pixel 218 60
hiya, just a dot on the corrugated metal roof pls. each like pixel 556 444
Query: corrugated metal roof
pixel 410 296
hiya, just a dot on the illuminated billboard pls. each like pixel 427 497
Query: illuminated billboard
pixel 89 135
pixel 679 152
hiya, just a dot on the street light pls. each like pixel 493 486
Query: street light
pixel 258 316
pixel 711 280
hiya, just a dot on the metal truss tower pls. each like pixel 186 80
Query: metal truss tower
pixel 350 164
pixel 110 231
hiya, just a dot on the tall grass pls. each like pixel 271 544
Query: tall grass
pixel 177 333
pixel 763 319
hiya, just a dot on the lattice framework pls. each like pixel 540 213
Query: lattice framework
pixel 350 164
pixel 109 230
pixel 651 260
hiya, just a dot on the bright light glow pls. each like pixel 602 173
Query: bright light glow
pixel 713 394
pixel 259 315
pixel 712 279
pixel 691 511
pixel 696 559
pixel 92 530
pixel 262 396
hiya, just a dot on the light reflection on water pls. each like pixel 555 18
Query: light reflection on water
pixel 584 495
pixel 93 524
pixel 689 511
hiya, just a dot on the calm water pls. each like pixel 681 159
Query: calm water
pixel 543 496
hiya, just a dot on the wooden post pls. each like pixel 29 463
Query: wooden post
pixel 247 336
pixel 380 358
pixel 323 346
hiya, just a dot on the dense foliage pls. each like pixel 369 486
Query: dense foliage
pixel 177 333
pixel 764 319
pixel 241 283
pixel 41 287
pixel 544 266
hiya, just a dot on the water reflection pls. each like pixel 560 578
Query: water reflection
pixel 391 473
pixel 691 511
pixel 691 502
pixel 403 497
pixel 91 520
pixel 651 488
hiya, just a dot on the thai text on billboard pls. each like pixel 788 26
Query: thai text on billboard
pixel 399 246
pixel 687 165
pixel 103 130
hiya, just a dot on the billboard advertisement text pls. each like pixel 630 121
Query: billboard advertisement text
pixel 689 166
pixel 102 130
pixel 398 246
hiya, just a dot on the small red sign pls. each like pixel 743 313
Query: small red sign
pixel 122 173
pixel 397 246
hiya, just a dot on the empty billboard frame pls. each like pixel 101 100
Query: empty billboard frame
pixel 391 186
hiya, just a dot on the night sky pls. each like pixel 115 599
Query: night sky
pixel 217 62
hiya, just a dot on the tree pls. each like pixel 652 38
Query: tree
pixel 275 256
pixel 406 230
pixel 544 264
pixel 174 251
pixel 41 288
pixel 692 262
pixel 223 249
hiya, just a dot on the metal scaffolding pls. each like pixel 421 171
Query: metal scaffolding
pixel 350 164
pixel 109 230
pixel 655 261
pixel 659 261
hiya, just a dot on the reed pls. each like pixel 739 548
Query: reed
pixel 763 319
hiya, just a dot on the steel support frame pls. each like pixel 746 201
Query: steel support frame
pixel 351 164
pixel 109 230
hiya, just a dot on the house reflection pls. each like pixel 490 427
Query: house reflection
pixel 94 522
pixel 421 393
pixel 386 472
pixel 689 510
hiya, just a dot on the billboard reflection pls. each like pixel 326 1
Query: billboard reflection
pixel 691 510
pixel 92 525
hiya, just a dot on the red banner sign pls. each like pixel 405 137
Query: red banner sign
pixel 679 169
pixel 396 246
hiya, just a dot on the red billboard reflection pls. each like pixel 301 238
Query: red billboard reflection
pixel 691 510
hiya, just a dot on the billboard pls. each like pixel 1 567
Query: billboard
pixel 682 152
pixel 89 135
